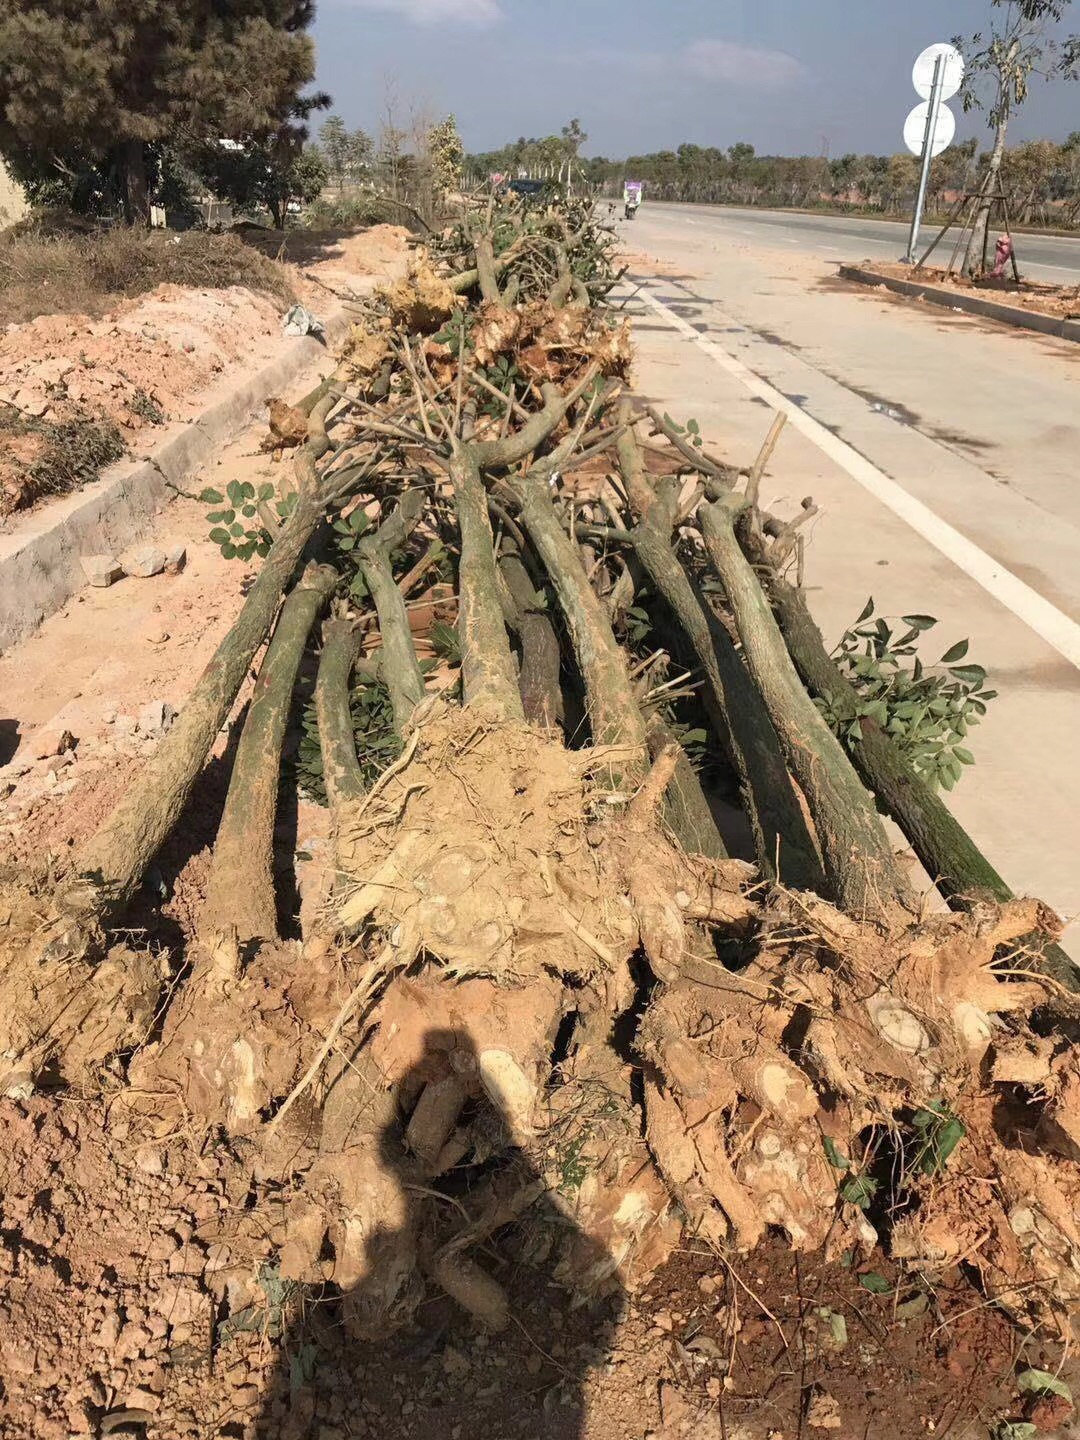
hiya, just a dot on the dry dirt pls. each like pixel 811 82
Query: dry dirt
pixel 145 361
pixel 1060 301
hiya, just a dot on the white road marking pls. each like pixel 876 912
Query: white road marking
pixel 1050 623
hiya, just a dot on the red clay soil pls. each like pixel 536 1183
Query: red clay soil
pixel 146 359
pixel 120 1311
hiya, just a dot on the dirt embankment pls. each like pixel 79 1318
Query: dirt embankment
pixel 77 387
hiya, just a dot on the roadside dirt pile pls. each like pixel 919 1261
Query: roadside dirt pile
pixel 76 382
pixel 525 1014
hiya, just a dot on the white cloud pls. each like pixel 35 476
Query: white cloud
pixel 747 66
pixel 435 12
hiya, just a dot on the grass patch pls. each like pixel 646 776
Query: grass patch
pixel 46 270
pixel 51 457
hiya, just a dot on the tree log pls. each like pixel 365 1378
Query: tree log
pixel 241 893
pixel 111 863
pixel 859 863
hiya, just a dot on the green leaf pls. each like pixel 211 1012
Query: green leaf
pixel 236 529
pixel 1041 1382
pixel 266 492
pixel 964 756
pixel 859 1190
pixel 955 652
pixel 1016 1430
pixel 692 427
pixel 875 1283
pixel 832 1154
pixel 234 492
pixel 919 622
pixel 247 490
pixel 210 496
pixel 969 674
pixel 359 521
pixel 229 551
pixel 215 515
pixel 868 610
pixel 219 536
pixel 248 511
pixel 939 1131
pixel 263 548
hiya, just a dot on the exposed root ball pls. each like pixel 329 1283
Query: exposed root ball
pixel 497 849
pixel 794 1090
pixel 65 1012
pixel 229 1044
pixel 422 301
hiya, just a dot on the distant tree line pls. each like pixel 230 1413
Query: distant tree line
pixel 1039 178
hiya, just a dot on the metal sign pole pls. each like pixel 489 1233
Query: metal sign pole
pixel 927 155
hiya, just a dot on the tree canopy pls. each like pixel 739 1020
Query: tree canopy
pixel 94 85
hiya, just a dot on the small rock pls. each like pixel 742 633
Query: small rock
pixel 823 1412
pixel 47 743
pixel 147 1158
pixel 157 635
pixel 125 724
pixel 156 717
pixel 662 1320
pixel 143 561
pixel 175 559
pixel 673 1408
pixel 101 570
pixel 139 1399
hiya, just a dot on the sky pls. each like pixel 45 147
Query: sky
pixel 789 76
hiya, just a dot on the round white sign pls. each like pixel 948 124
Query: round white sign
pixel 915 129
pixel 922 75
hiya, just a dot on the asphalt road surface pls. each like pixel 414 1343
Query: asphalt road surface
pixel 943 452
pixel 834 237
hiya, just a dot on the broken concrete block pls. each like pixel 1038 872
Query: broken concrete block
pixel 101 569
pixel 175 559
pixel 156 717
pixel 143 561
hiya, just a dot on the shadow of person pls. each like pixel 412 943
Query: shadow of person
pixel 511 1355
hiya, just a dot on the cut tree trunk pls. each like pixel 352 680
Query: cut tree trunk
pixel 614 717
pixel 399 667
pixel 487 666
pixel 735 708
pixel 541 661
pixel 111 863
pixel 342 776
pixel 859 863
pixel 241 892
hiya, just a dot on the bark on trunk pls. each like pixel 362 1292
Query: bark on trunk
pixel 487 666
pixel 735 708
pixel 614 717
pixel 686 806
pixel 541 661
pixel 133 170
pixel 859 862
pixel 342 776
pixel 241 894
pixel 399 665
pixel 112 861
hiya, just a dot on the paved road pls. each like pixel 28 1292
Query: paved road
pixel 943 452
pixel 832 237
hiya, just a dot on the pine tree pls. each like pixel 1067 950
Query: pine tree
pixel 102 81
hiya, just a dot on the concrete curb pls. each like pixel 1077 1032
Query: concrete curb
pixel 39 557
pixel 970 304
